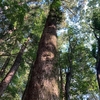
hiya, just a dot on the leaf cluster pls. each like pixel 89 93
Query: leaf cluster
pixel 56 13
pixel 96 19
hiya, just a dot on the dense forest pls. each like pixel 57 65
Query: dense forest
pixel 49 49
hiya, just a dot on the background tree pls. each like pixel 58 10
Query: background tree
pixel 77 66
pixel 12 42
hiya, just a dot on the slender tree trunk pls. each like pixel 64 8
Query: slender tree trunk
pixel 97 56
pixel 42 84
pixel 98 73
pixel 61 84
pixel 2 71
pixel 98 64
pixel 67 85
pixel 5 82
pixel 68 75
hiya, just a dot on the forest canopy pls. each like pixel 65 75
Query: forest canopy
pixel 49 49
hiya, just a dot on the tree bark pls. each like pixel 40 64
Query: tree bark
pixel 2 71
pixel 5 82
pixel 42 84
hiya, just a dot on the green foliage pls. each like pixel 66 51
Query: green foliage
pixel 25 25
pixel 56 4
pixel 96 19
pixel 29 22
pixel 56 12
pixel 94 53
pixel 16 12
pixel 75 57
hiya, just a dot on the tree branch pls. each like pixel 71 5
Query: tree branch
pixel 94 32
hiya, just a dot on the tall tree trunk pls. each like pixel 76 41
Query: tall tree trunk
pixel 2 71
pixel 42 84
pixel 5 82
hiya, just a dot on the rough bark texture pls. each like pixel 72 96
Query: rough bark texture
pixel 5 82
pixel 42 84
pixel 2 71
